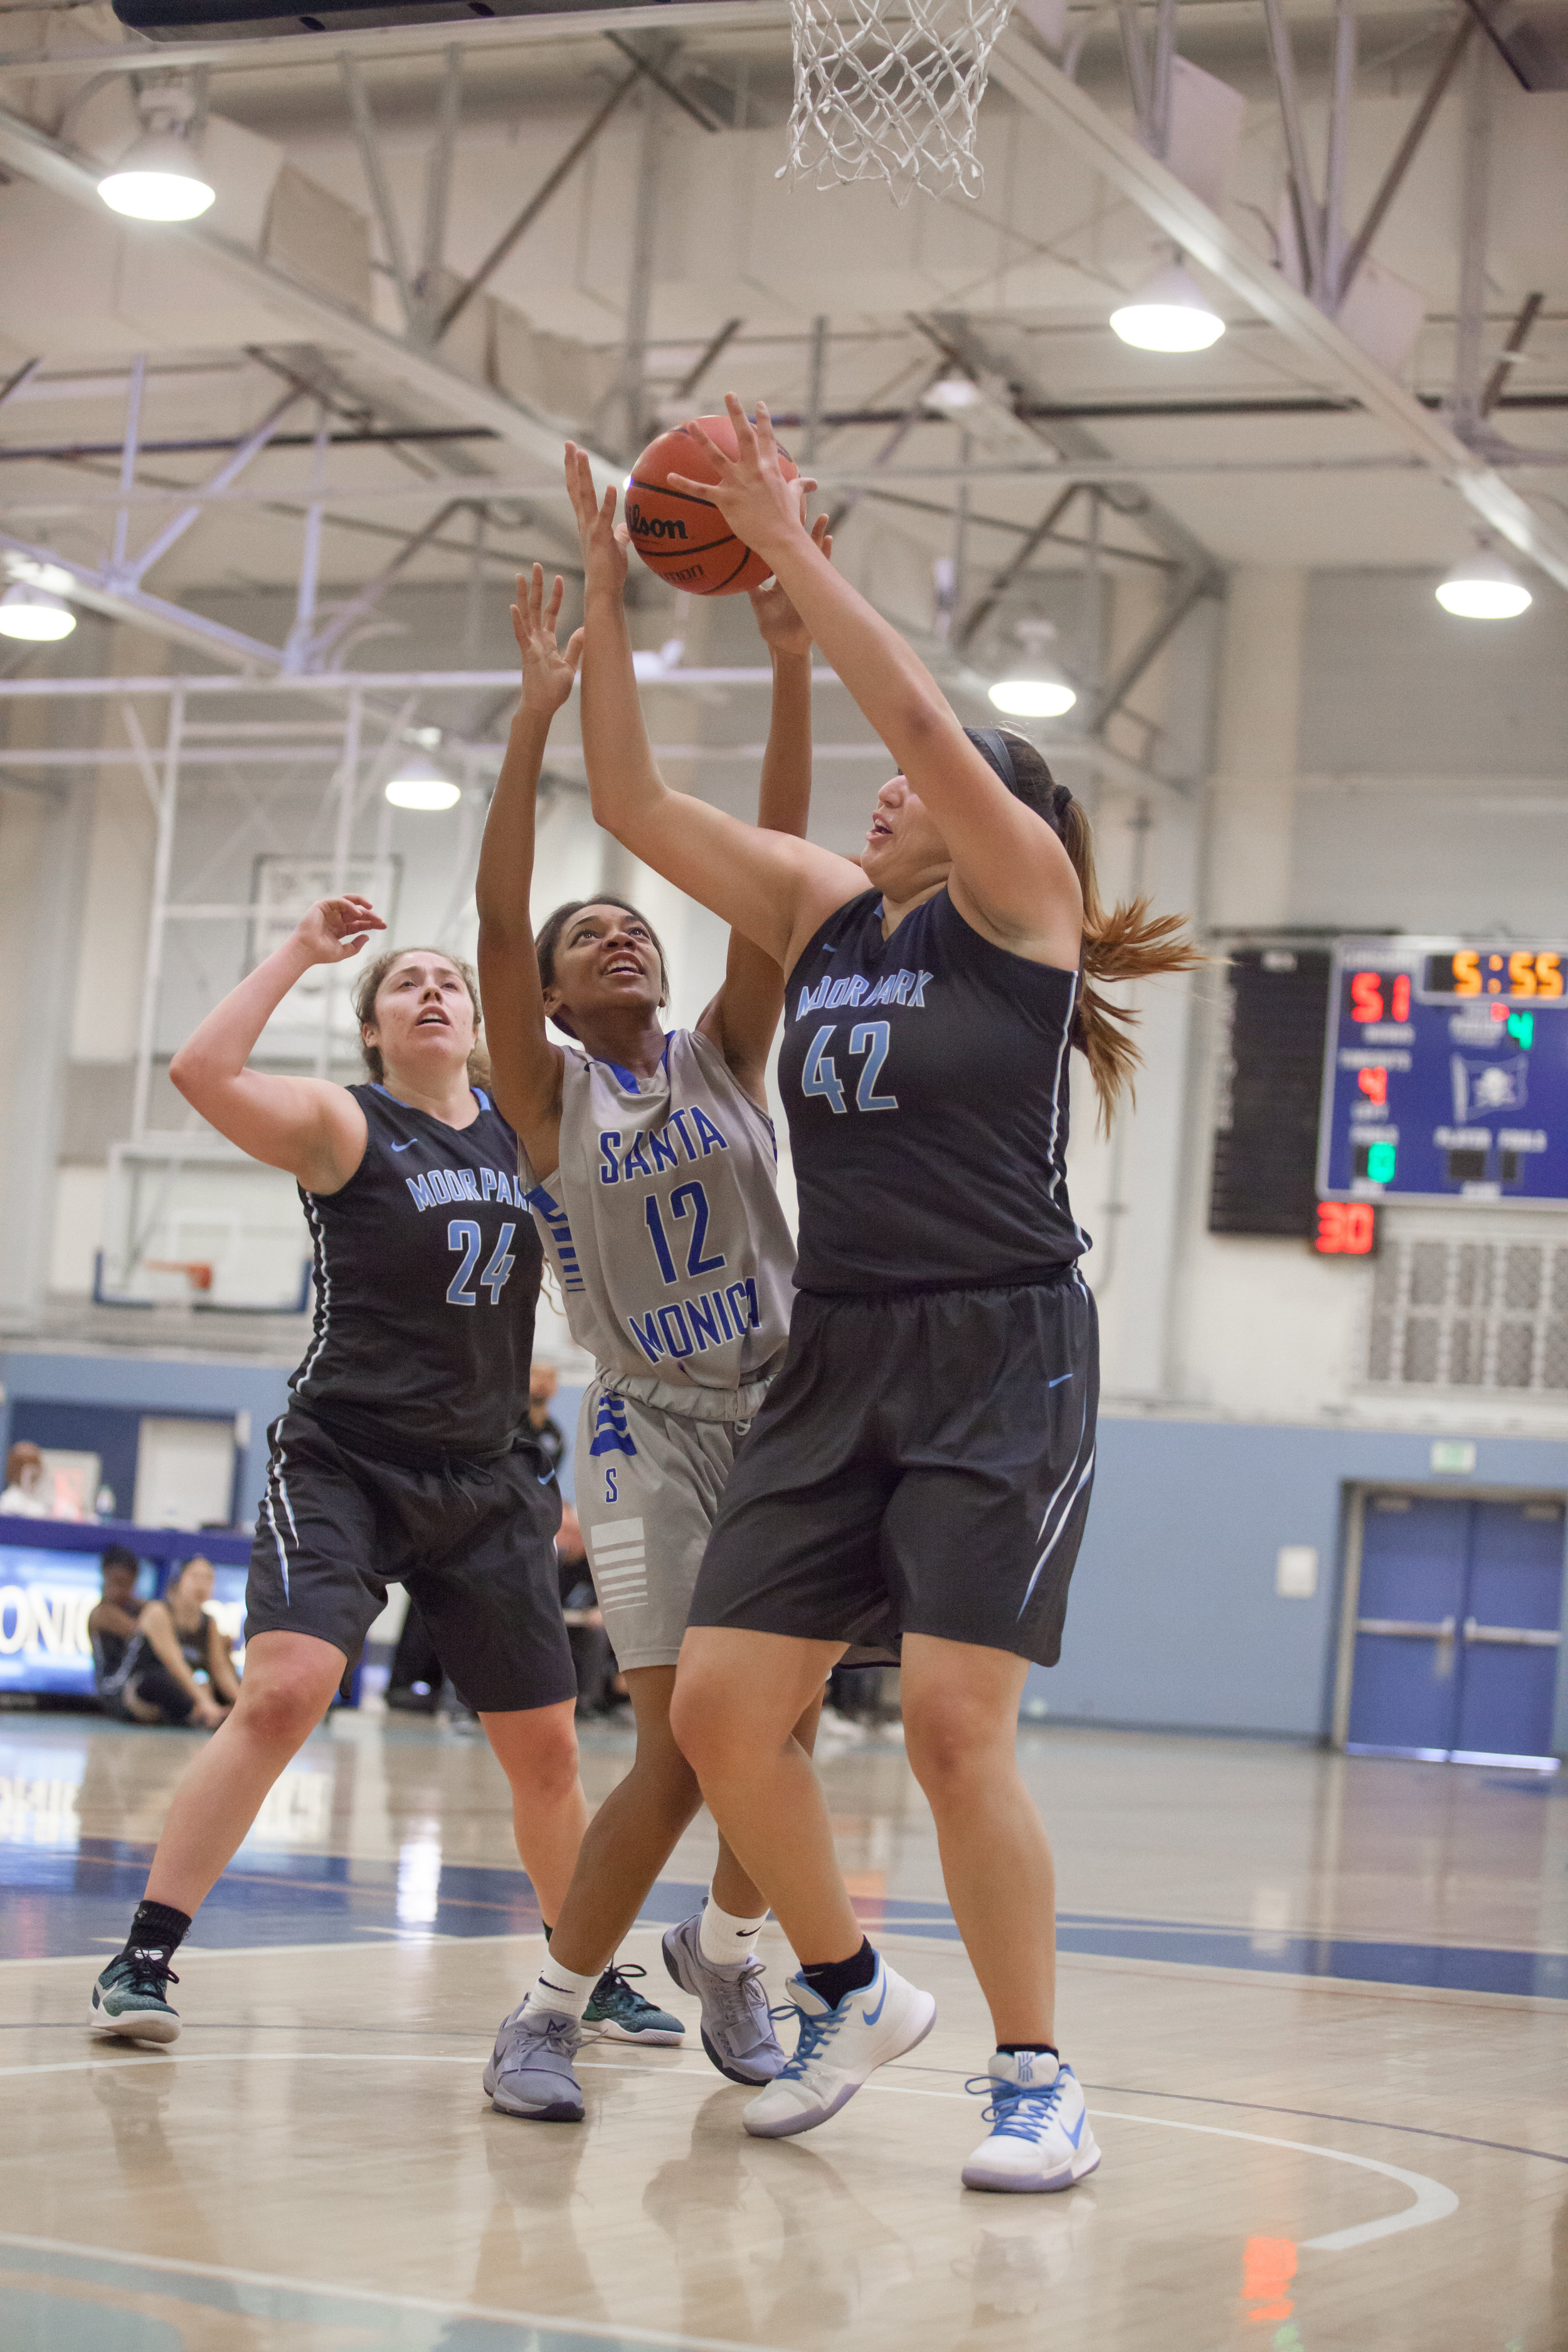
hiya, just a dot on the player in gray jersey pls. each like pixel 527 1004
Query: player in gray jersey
pixel 649 1160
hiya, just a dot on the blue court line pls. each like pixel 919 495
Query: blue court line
pixel 39 2314
pixel 64 1900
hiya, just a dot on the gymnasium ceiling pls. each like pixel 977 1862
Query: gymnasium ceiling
pixel 1288 441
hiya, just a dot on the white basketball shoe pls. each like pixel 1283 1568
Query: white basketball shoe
pixel 837 2049
pixel 1039 2138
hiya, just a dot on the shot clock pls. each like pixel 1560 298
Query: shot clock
pixel 1446 1073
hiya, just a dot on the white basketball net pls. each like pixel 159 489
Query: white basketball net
pixel 892 96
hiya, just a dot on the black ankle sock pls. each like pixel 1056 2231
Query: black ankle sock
pixel 158 1927
pixel 1011 2049
pixel 833 1978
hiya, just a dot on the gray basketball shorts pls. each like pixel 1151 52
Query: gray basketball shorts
pixel 648 1488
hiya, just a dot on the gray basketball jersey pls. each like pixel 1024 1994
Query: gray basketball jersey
pixel 665 1230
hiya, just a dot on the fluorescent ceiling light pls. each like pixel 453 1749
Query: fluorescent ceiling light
pixel 157 180
pixel 1033 698
pixel 35 614
pixel 1482 587
pixel 1172 313
pixel 419 784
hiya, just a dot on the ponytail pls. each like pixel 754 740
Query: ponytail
pixel 1127 943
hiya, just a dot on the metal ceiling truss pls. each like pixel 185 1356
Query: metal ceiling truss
pixel 1022 68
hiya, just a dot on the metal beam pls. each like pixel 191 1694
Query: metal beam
pixel 1185 594
pixel 381 199
pixel 1518 334
pixel 987 602
pixel 437 193
pixel 1303 203
pixel 270 55
pixel 1043 90
pixel 536 204
pixel 1074 441
pixel 361 605
pixel 717 343
pixel 1405 155
pixel 23 148
pixel 1470 308
pixel 90 588
pixel 130 572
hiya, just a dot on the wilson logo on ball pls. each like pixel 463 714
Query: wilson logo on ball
pixel 646 526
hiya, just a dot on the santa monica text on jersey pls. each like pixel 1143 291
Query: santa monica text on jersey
pixel 693 1324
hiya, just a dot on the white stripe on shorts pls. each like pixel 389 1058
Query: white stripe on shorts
pixel 620 1561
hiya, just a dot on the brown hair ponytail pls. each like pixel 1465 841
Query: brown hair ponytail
pixel 1127 943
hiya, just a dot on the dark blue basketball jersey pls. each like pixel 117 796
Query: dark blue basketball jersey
pixel 925 1080
pixel 427 1270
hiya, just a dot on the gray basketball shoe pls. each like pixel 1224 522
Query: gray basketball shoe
pixel 131 1998
pixel 529 2071
pixel 737 2030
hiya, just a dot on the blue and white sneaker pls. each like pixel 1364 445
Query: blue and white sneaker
pixel 1039 2138
pixel 737 2027
pixel 530 2071
pixel 131 1998
pixel 837 2049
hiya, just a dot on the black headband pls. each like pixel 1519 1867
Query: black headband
pixel 1051 802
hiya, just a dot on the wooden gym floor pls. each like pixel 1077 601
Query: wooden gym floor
pixel 1319 2002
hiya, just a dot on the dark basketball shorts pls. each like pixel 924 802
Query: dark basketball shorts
pixel 473 1542
pixel 922 1464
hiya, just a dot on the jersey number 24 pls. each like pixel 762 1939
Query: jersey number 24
pixel 464 1234
pixel 820 1077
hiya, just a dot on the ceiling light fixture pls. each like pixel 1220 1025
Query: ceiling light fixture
pixel 1037 688
pixel 954 393
pixel 160 179
pixel 419 784
pixel 1172 313
pixel 35 614
pixel 1482 587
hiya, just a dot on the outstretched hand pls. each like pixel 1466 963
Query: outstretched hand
pixel 549 669
pixel 604 541
pixel 335 928
pixel 761 507
pixel 782 630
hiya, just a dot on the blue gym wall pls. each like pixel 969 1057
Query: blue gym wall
pixel 1174 1620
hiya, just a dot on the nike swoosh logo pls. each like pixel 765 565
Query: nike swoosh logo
pixel 1059 1379
pixel 1076 2132
pixel 873 2014
pixel 405 1147
pixel 545 1480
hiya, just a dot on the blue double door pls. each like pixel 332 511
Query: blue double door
pixel 1458 1627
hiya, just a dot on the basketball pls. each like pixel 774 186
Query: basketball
pixel 685 540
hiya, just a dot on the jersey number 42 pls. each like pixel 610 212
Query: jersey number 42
pixel 819 1076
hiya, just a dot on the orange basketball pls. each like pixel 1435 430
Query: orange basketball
pixel 685 540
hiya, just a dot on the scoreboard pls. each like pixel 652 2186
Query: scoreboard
pixel 1446 1073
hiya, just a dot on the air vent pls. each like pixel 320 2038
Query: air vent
pixel 1470 1315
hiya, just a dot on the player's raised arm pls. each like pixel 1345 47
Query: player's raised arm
pixel 773 887
pixel 525 1067
pixel 1011 876
pixel 313 1129
pixel 744 1015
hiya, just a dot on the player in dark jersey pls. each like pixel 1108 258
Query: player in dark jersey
pixel 405 1453
pixel 923 1460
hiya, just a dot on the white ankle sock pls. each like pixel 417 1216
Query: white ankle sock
pixel 561 1991
pixel 726 1940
